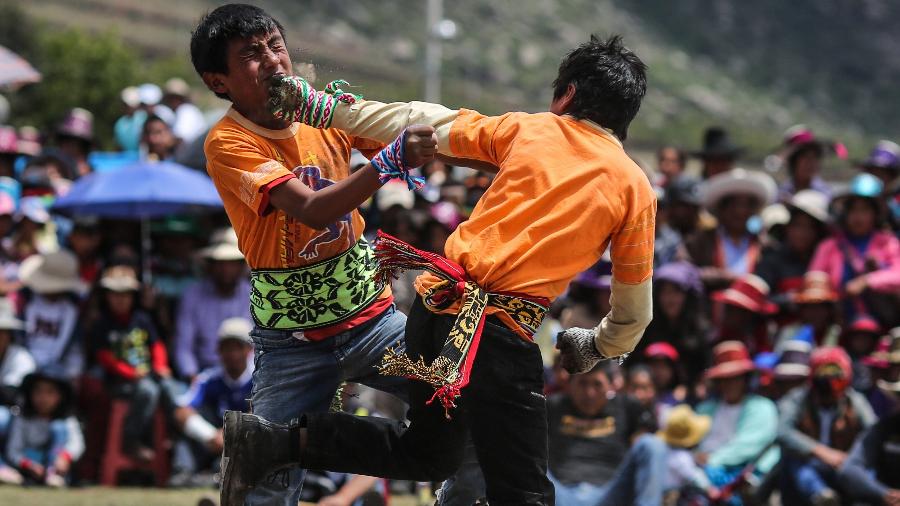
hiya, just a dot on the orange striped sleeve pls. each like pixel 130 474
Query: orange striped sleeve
pixel 632 247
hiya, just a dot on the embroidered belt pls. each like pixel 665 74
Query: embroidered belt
pixel 316 295
pixel 451 370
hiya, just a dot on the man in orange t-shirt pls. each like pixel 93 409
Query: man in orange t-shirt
pixel 564 192
pixel 321 316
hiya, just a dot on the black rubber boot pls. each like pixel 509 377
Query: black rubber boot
pixel 254 448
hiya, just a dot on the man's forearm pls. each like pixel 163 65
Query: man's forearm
pixel 632 309
pixel 383 122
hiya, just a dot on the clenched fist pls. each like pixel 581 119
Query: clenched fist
pixel 421 145
pixel 578 353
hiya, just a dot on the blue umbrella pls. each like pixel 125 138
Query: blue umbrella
pixel 141 191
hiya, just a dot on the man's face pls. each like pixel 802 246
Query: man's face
pixel 252 62
pixel 670 163
pixel 589 392
pixel 736 210
pixel 234 355
pixel 226 273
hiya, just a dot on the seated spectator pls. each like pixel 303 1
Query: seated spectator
pixel 589 296
pixel 667 246
pixel 744 314
pixel 223 294
pixel 879 367
pixel 85 241
pixel 816 308
pixel 639 386
pixel 15 364
pixel 158 139
pixel 45 439
pixel 682 432
pixel 130 351
pixel 744 424
pixel 679 317
pixel 31 235
pixel 730 251
pixel 600 450
pixel 682 203
pixel 818 425
pixel 664 363
pixel 883 162
pixel 782 265
pixel 74 136
pixel 189 121
pixel 51 313
pixel 860 258
pixel 803 154
pixel 871 474
pixel 15 361
pixel 213 392
pixel 718 154
pixel 792 369
pixel 860 339
pixel 670 163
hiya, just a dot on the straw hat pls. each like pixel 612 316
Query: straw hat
pixel 816 289
pixel 750 292
pixel 55 272
pixel 223 246
pixel 120 278
pixel 237 328
pixel 730 359
pixel 739 182
pixel 684 428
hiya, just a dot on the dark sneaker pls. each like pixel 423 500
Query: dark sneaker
pixel 254 448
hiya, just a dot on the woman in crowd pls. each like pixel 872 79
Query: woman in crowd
pixel 861 258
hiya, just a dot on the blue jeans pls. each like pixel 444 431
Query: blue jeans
pixel 294 376
pixel 803 479
pixel 638 480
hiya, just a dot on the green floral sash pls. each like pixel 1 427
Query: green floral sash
pixel 317 295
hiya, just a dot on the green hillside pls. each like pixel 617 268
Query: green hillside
pixel 756 67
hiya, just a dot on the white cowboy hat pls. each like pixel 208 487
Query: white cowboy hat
pixel 811 202
pixel 120 278
pixel 223 246
pixel 55 272
pixel 739 182
pixel 237 328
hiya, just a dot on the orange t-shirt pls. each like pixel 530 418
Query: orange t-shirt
pixel 565 190
pixel 245 161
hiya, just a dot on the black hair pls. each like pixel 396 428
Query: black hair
pixel 209 40
pixel 153 118
pixel 610 82
pixel 63 409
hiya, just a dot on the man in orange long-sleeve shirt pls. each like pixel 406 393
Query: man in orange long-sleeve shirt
pixel 565 191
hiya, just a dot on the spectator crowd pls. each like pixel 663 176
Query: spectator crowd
pixel 772 365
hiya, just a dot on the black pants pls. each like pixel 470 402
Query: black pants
pixel 503 407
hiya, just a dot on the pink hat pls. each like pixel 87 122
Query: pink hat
pixel 661 349
pixel 9 141
pixel 78 123
pixel 7 204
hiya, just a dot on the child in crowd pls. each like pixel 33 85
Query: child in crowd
pixel 130 351
pixel 45 439
pixel 682 432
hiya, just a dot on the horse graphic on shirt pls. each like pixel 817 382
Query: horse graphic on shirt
pixel 311 176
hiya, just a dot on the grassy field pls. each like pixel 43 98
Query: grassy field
pixel 99 496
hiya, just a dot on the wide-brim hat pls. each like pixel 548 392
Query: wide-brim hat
pixel 799 137
pixel 78 123
pixel 739 182
pixel 55 272
pixel 223 247
pixel 816 289
pixel 684 275
pixel 718 144
pixel 749 292
pixel 810 202
pixel 596 277
pixel 794 361
pixel 885 155
pixel 684 428
pixel 730 359
pixel 236 328
pixel 120 278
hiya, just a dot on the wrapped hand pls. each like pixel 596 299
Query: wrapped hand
pixel 578 353
pixel 294 99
